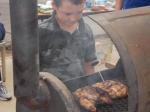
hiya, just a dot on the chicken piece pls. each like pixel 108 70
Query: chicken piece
pixel 115 89
pixel 89 96
pixel 87 92
pixel 104 97
pixel 87 104
pixel 92 93
pixel 118 91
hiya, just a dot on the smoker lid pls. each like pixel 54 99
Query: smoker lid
pixel 130 32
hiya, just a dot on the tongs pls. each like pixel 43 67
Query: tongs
pixel 101 76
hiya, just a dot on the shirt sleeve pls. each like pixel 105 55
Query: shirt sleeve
pixel 90 51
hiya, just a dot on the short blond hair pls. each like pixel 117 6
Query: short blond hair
pixel 76 2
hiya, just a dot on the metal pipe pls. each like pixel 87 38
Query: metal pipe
pixel 24 27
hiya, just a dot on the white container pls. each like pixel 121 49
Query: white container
pixel 100 2
pixel 49 3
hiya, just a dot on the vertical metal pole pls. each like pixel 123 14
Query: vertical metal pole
pixel 24 28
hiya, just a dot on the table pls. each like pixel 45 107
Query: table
pixel 42 16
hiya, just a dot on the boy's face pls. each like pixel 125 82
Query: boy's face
pixel 68 13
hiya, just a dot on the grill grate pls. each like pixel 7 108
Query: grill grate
pixel 119 105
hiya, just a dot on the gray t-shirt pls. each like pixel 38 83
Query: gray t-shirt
pixel 62 53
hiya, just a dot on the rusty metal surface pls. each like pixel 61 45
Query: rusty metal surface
pixel 130 32
pixel 61 98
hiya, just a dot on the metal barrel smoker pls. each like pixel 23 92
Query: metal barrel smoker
pixel 130 32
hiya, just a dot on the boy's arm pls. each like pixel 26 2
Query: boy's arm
pixel 89 69
pixel 90 53
pixel 118 5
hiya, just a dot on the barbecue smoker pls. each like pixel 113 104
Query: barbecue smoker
pixel 130 32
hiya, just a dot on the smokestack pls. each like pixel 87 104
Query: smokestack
pixel 24 28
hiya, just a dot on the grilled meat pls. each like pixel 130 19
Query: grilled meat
pixel 89 96
pixel 100 93
pixel 104 97
pixel 87 92
pixel 87 104
pixel 92 93
pixel 115 89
